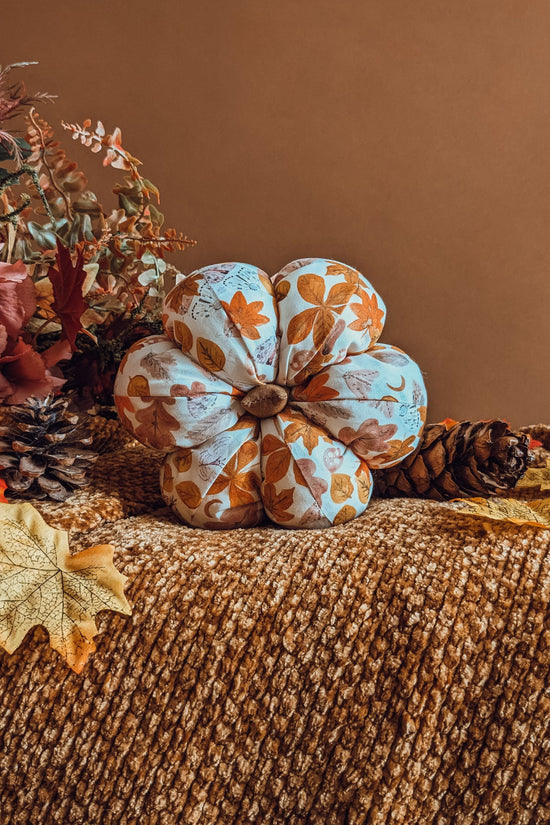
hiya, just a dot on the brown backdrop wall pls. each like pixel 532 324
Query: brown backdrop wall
pixel 411 140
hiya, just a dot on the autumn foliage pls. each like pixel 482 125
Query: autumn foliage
pixel 89 281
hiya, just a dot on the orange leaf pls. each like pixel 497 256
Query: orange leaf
pixel 210 355
pixel 277 464
pixel 315 389
pixel 138 386
pixel 346 513
pixel 183 460
pixel 282 289
pixel 448 423
pixel 124 405
pixel 246 453
pixel 351 276
pixel 245 316
pixel 312 288
pixel 341 487
pixel 271 443
pixel 302 427
pixel 156 424
pixel 277 503
pixel 535 513
pixel 189 493
pixel 300 326
pixel 183 335
pixel 322 327
pixel 339 294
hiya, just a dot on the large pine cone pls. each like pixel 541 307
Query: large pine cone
pixel 469 458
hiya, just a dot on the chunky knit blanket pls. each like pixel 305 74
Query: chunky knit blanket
pixel 394 669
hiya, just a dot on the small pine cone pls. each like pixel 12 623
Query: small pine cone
pixel 468 458
pixel 43 450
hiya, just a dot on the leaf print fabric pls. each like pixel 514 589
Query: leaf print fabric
pixel 377 402
pixel 344 402
pixel 217 484
pixel 168 400
pixel 294 463
pixel 226 321
pixel 322 305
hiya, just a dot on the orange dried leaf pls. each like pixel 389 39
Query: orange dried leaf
pixel 42 584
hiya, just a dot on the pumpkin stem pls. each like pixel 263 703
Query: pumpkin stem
pixel 265 400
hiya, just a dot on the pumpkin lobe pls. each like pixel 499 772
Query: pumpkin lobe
pixel 265 400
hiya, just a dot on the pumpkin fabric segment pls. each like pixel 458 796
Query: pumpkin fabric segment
pixel 272 395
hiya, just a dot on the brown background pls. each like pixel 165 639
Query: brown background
pixel 409 139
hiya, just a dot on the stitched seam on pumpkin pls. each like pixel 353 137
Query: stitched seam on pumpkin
pixel 304 454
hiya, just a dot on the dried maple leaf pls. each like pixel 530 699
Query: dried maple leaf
pixel 67 281
pixel 535 513
pixel 536 477
pixel 42 584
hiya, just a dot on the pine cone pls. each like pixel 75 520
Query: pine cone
pixel 42 450
pixel 468 458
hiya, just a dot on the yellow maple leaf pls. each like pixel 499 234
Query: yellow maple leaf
pixel 535 513
pixel 536 477
pixel 42 584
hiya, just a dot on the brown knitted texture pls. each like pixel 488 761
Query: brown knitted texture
pixel 394 670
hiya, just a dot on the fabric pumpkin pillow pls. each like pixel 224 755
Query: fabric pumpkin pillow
pixel 271 395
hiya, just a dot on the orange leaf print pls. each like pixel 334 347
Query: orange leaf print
pixel 246 422
pixel 340 294
pixel 189 493
pixel 369 316
pixel 243 485
pixel 183 460
pixel 321 318
pixel 186 288
pixel 315 390
pixel 312 288
pixel 300 326
pixel 364 483
pixel 341 487
pixel 397 450
pixel 245 316
pixel 167 478
pixel 183 335
pixel 350 275
pixel 346 513
pixel 282 289
pixel 210 355
pixel 278 504
pixel 138 386
pixel 302 427
pixel 278 458
pixel 123 405
pixel 156 424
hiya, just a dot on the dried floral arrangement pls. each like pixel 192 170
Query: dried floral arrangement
pixel 78 284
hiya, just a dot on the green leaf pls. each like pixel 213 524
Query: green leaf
pixel 4 174
pixel 156 215
pixel 43 236
pixel 25 147
pixel 129 207
pixel 5 153
pixel 151 187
